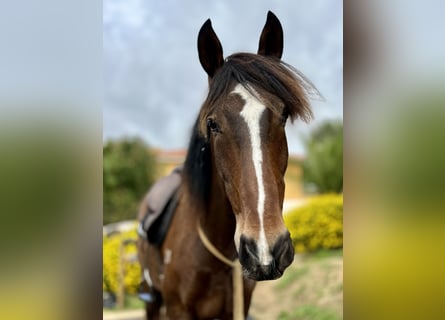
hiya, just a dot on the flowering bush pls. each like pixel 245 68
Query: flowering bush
pixel 318 224
pixel 132 270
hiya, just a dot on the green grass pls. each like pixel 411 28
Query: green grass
pixel 132 302
pixel 337 288
pixel 309 312
pixel 323 253
pixel 297 294
pixel 290 276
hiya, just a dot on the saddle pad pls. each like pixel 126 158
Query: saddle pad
pixel 161 201
pixel 158 230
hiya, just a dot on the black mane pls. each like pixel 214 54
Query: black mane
pixel 198 165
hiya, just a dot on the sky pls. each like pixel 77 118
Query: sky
pixel 154 84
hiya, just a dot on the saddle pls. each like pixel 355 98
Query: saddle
pixel 161 202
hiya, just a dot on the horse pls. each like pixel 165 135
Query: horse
pixel 232 182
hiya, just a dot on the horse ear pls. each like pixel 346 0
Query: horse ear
pixel 271 39
pixel 209 49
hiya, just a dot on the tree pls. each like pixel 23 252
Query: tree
pixel 128 171
pixel 323 166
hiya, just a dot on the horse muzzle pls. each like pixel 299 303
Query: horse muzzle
pixel 254 266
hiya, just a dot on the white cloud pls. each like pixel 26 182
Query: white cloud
pixel 153 79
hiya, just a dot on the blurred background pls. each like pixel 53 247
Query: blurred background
pixel 154 86
pixel 393 159
pixel 54 67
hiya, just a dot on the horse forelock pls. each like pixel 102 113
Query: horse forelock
pixel 264 76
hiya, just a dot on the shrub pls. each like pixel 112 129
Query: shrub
pixel 132 270
pixel 129 169
pixel 323 166
pixel 318 224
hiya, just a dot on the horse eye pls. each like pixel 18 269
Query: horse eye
pixel 212 125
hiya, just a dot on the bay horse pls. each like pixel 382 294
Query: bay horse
pixel 232 182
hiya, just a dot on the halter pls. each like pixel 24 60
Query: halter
pixel 237 275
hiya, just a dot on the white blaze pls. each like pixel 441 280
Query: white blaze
pixel 251 113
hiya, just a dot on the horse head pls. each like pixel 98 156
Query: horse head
pixel 250 98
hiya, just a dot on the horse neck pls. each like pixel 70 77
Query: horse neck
pixel 219 220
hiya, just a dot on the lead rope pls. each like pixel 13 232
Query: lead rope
pixel 237 275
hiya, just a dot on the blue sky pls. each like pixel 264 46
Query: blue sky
pixel 154 84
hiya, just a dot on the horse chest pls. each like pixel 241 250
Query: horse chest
pixel 212 296
pixel 203 290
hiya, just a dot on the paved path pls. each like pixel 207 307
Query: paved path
pixel 124 315
pixel 130 315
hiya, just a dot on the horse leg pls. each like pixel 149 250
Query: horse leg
pixel 152 308
pixel 150 256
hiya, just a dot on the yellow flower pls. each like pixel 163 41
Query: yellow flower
pixel 318 224
pixel 111 259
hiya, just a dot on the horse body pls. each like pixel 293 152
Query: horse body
pixel 195 284
pixel 232 183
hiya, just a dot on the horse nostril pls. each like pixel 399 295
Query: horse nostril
pixel 257 265
pixel 248 252
pixel 251 251
pixel 283 251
